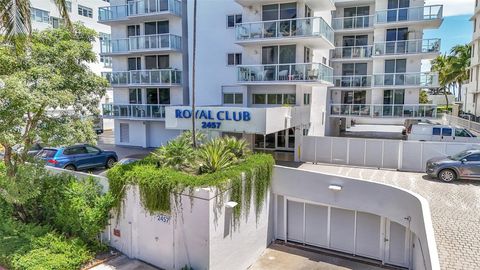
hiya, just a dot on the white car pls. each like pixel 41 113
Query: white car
pixel 441 133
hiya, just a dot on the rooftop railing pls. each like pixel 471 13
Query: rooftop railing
pixel 144 77
pixel 355 22
pixel 141 111
pixel 421 79
pixel 407 47
pixel 141 43
pixel 301 27
pixel 139 8
pixel 423 13
pixel 384 110
pixel 301 72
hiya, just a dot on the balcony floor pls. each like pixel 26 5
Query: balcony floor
pixel 314 42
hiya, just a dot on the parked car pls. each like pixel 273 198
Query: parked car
pixel 33 151
pixel 78 157
pixel 424 132
pixel 464 165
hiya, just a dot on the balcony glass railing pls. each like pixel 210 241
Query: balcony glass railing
pixel 144 77
pixel 352 81
pixel 384 110
pixel 356 22
pixel 151 111
pixel 138 8
pixel 422 79
pixel 352 52
pixel 423 13
pixel 308 72
pixel 302 27
pixel 407 47
pixel 140 43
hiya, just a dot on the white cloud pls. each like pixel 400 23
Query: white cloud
pixel 454 7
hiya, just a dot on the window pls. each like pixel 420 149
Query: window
pixel 274 99
pixel 75 151
pixel 158 96
pixel 473 157
pixel 107 61
pixel 134 63
pixel 135 96
pixel 234 59
pixel 436 131
pixel 459 132
pixel 69 6
pixel 39 15
pixel 232 20
pixel 308 12
pixel 160 27
pixel 157 61
pixel 307 55
pixel 133 30
pixel 85 11
pixel 233 98
pixel 306 99
pixel 279 11
pixel 55 22
pixel 446 132
pixel 92 150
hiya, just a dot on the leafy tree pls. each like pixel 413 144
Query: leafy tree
pixel 423 99
pixel 48 92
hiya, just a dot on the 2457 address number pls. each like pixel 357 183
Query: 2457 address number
pixel 211 125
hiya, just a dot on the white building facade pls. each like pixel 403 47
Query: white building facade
pixel 45 14
pixel 377 61
pixel 470 91
pixel 268 58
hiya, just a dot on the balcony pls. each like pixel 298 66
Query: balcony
pixel 148 43
pixel 428 16
pixel 141 8
pixel 153 77
pixel 309 73
pixel 426 47
pixel 133 111
pixel 352 53
pixel 383 110
pixel 402 80
pixel 356 23
pixel 307 31
pixel 356 81
pixel 313 4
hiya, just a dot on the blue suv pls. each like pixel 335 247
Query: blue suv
pixel 78 157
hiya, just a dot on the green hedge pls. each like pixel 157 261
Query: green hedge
pixel 157 184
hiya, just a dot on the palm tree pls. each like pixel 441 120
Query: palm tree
pixel 460 65
pixel 443 65
pixel 15 22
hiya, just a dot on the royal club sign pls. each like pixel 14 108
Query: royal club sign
pixel 213 120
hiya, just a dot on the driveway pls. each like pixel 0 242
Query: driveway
pixel 455 209
pixel 123 263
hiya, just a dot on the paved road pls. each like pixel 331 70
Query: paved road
pixel 455 209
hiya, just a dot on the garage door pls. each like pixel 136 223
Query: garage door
pixel 349 231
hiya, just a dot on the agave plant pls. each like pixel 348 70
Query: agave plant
pixel 186 136
pixel 177 154
pixel 215 156
pixel 240 148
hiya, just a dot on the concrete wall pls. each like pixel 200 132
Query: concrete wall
pixel 379 199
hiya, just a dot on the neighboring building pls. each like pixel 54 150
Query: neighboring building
pixel 268 59
pixel 471 91
pixel 379 48
pixel 45 15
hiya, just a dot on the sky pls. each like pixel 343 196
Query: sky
pixel 456 27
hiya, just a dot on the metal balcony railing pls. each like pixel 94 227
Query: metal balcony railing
pixel 352 52
pixel 421 79
pixel 356 22
pixel 301 27
pixel 423 13
pixel 139 8
pixel 301 72
pixel 144 77
pixel 352 81
pixel 141 111
pixel 384 110
pixel 407 47
pixel 141 43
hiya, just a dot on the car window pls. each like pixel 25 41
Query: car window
pixel 473 157
pixel 47 153
pixel 75 151
pixel 436 131
pixel 446 132
pixel 460 132
pixel 92 150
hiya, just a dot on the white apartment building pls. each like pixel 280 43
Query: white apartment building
pixel 44 14
pixel 269 62
pixel 470 92
pixel 379 48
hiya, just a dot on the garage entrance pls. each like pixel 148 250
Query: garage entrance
pixel 353 232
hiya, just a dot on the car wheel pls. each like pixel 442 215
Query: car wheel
pixel 447 175
pixel 70 168
pixel 110 163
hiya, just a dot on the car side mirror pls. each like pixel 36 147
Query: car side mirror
pixel 464 160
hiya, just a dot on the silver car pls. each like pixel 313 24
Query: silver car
pixel 464 165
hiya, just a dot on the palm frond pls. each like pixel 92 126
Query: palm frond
pixel 15 21
pixel 63 10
